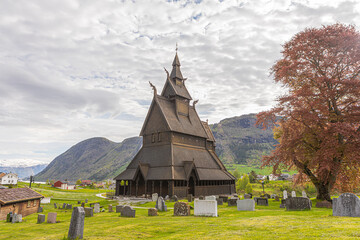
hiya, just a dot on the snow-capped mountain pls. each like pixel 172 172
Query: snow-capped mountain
pixel 24 168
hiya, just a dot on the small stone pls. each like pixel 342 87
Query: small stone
pixel 86 201
pixel 262 201
pixel 69 206
pixel 41 218
pixel 55 206
pixel 181 209
pixel 40 209
pixel 83 204
pixel 128 211
pixel 51 217
pixel 232 202
pixel 110 208
pixel 96 208
pixel 17 218
pixel 152 212
pixel 174 198
pixel 89 212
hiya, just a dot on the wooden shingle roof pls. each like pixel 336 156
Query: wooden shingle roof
pixel 12 195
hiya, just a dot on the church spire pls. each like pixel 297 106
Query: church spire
pixel 176 73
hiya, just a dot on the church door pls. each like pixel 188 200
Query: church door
pixel 191 189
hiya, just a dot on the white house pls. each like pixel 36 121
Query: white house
pixel 8 178
pixel 273 177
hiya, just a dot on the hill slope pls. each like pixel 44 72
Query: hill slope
pixel 94 158
pixel 238 140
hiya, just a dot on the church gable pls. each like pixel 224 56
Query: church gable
pixel 155 122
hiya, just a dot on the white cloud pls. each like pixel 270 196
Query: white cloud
pixel 72 70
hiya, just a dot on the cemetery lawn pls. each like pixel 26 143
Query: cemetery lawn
pixel 265 223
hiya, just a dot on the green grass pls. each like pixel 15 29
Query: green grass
pixel 265 223
pixel 245 169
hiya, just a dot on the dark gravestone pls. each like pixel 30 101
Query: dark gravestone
pixel 323 204
pixel 83 204
pixel 69 206
pixel 262 201
pixel 86 201
pixel 267 195
pixel 128 211
pixel 119 208
pixel 277 198
pixel 40 209
pixel 110 208
pixel 181 209
pixel 247 196
pixel 64 205
pixel 55 206
pixel 76 229
pixel 89 212
pixel 41 218
pixel 79 202
pixel 152 212
pixel 298 203
pixel 224 198
pixel 9 217
pixel 347 205
pixel 232 202
pixel 190 197
pixel 283 203
pixel 219 201
pixel 174 198
pixel 201 197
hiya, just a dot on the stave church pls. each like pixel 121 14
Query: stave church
pixel 178 152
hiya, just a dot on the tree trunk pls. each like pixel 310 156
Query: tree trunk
pixel 323 192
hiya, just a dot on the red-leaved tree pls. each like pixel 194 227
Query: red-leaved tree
pixel 319 125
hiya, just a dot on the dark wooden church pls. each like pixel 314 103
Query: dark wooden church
pixel 178 153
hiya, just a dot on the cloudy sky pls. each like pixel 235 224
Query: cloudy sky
pixel 72 70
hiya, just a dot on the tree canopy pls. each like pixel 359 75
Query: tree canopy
pixel 317 122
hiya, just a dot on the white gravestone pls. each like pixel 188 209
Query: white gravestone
pixel 293 194
pixel 96 208
pixel 304 194
pixel 154 197
pixel 285 196
pixel 206 208
pixel 245 205
pixel 210 198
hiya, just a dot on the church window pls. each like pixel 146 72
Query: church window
pixel 153 138
pixel 159 137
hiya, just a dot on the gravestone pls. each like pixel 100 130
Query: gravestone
pixel 89 212
pixel 9 217
pixel 79 202
pixel 262 201
pixel 41 218
pixel 210 198
pixel 285 195
pixel 55 206
pixel 83 204
pixel 245 205
pixel 64 205
pixel 323 204
pixel 174 198
pixel 346 205
pixel 247 196
pixel 51 217
pixel 167 198
pixel 266 195
pixel 160 205
pixel 181 209
pixel 76 229
pixel 206 208
pixel 190 197
pixel 219 201
pixel 283 203
pixel 224 198
pixel 293 194
pixel 304 194
pixel 298 203
pixel 152 212
pixel 17 218
pixel 273 196
pixel 119 208
pixel 69 206
pixel 86 201
pixel 40 209
pixel 154 197
pixel 201 197
pixel 110 208
pixel 128 211
pixel 96 208
pixel 232 202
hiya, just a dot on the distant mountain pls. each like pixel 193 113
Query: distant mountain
pixel 23 172
pixel 94 159
pixel 238 140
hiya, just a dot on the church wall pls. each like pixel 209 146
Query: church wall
pixel 187 139
pixel 156 122
pixel 214 190
pixel 157 138
pixel 180 192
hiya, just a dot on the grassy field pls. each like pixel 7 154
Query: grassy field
pixel 245 169
pixel 265 223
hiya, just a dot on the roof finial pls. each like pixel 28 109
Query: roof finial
pixel 154 88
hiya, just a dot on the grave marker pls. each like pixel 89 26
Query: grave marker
pixel 96 208
pixel 245 205
pixel 152 212
pixel 41 218
pixel 128 211
pixel 89 212
pixel 51 217
pixel 346 205
pixel 206 208
pixel 76 229
pixel 298 203
pixel 181 209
